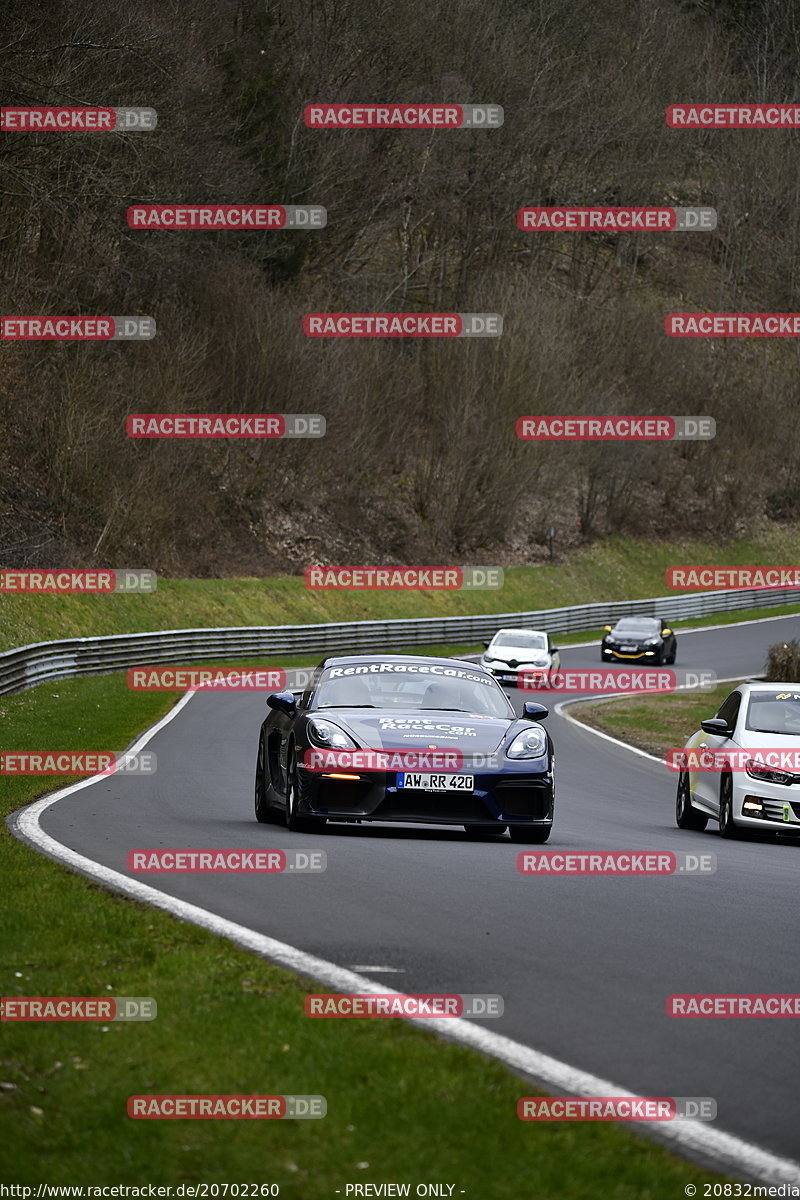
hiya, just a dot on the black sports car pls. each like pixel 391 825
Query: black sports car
pixel 405 738
pixel 645 639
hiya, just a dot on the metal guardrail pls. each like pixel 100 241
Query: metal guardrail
pixel 27 666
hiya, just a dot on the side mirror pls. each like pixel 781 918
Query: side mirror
pixel 716 725
pixel 284 702
pixel 666 633
pixel 554 649
pixel 533 711
pixel 486 645
pixel 606 629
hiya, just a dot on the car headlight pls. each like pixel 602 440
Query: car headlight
pixel 487 658
pixel 531 743
pixel 539 660
pixel 652 641
pixel 759 770
pixel 325 733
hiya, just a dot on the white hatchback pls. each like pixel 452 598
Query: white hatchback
pixel 513 650
pixel 756 737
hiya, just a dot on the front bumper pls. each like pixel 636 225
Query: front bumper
pixel 638 655
pixel 513 797
pixel 505 674
pixel 780 804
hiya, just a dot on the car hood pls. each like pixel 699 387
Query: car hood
pixel 750 739
pixel 769 741
pixel 396 730
pixel 633 639
pixel 518 653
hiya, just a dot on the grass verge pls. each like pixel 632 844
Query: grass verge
pixel 402 1105
pixel 615 569
pixel 653 723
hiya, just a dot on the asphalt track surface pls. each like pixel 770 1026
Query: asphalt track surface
pixel 584 964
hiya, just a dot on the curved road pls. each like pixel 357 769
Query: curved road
pixel 584 964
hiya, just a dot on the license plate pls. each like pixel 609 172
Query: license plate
pixel 629 649
pixel 436 783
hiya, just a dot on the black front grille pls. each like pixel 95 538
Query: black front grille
pixel 338 795
pixel 523 799
pixel 460 807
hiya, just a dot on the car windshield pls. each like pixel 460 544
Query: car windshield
pixel 644 627
pixel 774 712
pixel 522 638
pixel 412 686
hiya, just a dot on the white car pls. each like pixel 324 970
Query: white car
pixel 759 725
pixel 513 650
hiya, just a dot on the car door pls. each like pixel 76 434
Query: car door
pixel 706 784
pixel 282 730
pixel 555 657
pixel 669 638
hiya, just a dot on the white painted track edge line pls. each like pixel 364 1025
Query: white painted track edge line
pixel 607 737
pixel 695 1139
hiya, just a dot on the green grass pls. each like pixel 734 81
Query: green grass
pixel 614 569
pixel 653 723
pixel 411 1107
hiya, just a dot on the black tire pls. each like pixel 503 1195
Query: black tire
pixel 266 814
pixel 296 823
pixel 477 833
pixel 533 835
pixel 686 815
pixel 672 657
pixel 727 826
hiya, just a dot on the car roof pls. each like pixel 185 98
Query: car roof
pixel 522 629
pixel 353 659
pixel 753 684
